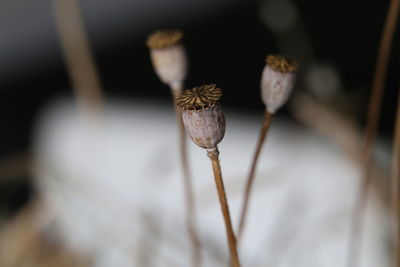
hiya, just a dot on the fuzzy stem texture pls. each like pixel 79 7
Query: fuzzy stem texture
pixel 395 187
pixel 213 155
pixel 188 185
pixel 371 131
pixel 250 178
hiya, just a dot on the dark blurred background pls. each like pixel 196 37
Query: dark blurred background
pixel 227 41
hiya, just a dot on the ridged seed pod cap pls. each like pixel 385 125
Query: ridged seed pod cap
pixel 168 56
pixel 278 79
pixel 202 115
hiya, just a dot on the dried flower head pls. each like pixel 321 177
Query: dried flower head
pixel 163 39
pixel 199 97
pixel 202 115
pixel 168 56
pixel 281 63
pixel 277 81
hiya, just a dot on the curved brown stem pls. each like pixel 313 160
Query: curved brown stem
pixel 371 130
pixel 250 179
pixel 188 187
pixel 213 155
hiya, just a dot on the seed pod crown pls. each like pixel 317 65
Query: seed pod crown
pixel 164 38
pixel 199 97
pixel 281 63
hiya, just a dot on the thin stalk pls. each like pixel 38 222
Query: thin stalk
pixel 250 178
pixel 188 187
pixel 395 187
pixel 371 131
pixel 77 54
pixel 213 155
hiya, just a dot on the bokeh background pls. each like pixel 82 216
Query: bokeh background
pixel 336 43
pixel 227 42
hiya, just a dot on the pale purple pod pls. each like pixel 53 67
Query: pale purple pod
pixel 277 81
pixel 170 63
pixel 276 87
pixel 205 126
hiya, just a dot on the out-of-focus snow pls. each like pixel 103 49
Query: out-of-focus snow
pixel 114 190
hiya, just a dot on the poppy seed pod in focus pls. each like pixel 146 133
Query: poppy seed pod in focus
pixel 168 56
pixel 277 81
pixel 202 115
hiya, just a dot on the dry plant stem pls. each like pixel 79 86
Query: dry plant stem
pixel 213 155
pixel 395 187
pixel 188 186
pixel 371 130
pixel 250 179
pixel 77 54
pixel 329 123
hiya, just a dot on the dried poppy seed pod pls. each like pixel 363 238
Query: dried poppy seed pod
pixel 168 56
pixel 277 81
pixel 202 115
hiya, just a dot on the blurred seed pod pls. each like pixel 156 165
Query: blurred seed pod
pixel 202 115
pixel 168 56
pixel 278 79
